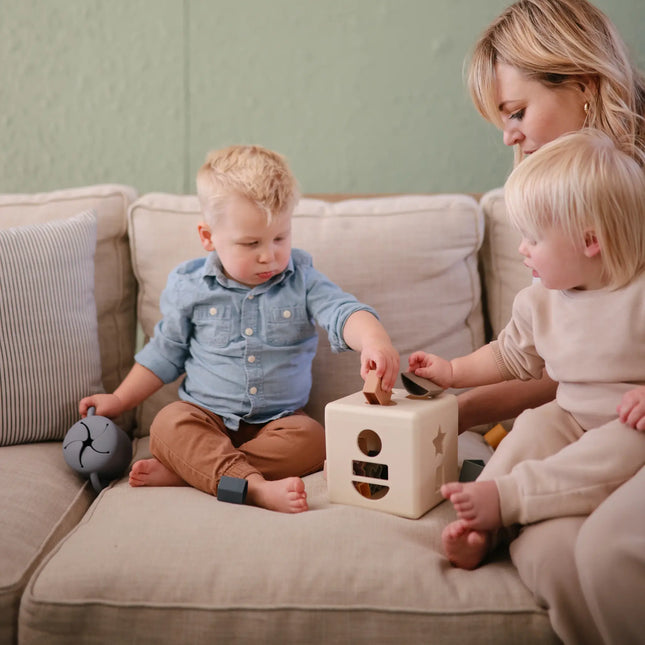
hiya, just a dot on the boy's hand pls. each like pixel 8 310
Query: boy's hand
pixel 383 358
pixel 107 405
pixel 631 410
pixel 432 367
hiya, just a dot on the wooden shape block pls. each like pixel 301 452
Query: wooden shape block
pixel 495 435
pixel 373 392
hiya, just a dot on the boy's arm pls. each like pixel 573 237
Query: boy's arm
pixel 137 386
pixel 365 334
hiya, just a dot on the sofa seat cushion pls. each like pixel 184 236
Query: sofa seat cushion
pixel 175 565
pixel 42 499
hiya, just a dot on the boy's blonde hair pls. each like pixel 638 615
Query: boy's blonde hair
pixel 564 43
pixel 582 182
pixel 260 175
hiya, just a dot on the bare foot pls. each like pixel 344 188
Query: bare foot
pixel 150 472
pixel 464 547
pixel 476 503
pixel 285 495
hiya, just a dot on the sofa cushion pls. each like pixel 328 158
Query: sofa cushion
pixel 428 297
pixel 114 286
pixel 174 565
pixel 42 499
pixel 504 270
pixel 49 354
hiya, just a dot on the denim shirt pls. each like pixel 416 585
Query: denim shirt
pixel 246 352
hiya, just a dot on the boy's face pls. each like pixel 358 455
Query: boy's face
pixel 251 252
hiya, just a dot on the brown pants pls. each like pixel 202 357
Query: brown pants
pixel 196 445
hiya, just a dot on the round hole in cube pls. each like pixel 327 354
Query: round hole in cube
pixel 369 443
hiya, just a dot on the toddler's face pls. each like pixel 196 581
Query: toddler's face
pixel 251 251
pixel 559 263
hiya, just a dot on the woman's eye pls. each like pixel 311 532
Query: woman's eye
pixel 519 115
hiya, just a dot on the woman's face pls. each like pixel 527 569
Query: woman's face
pixel 533 114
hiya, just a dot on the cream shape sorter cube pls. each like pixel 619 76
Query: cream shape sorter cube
pixel 392 458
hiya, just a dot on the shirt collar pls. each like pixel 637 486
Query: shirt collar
pixel 214 272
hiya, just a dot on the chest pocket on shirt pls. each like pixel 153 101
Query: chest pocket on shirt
pixel 288 325
pixel 213 324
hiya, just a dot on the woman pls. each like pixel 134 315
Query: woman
pixel 541 69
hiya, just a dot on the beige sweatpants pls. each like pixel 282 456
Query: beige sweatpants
pixel 572 563
pixel 573 472
pixel 196 445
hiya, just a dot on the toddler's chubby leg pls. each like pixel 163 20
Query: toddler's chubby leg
pixel 151 472
pixel 464 547
pixel 284 495
pixel 476 503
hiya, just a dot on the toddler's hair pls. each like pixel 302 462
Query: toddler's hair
pixel 583 182
pixel 260 175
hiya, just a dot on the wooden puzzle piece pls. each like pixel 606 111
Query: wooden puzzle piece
pixel 373 392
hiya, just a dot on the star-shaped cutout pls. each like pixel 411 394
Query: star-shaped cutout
pixel 438 442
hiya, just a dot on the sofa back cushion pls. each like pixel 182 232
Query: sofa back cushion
pixel 114 285
pixel 503 266
pixel 413 258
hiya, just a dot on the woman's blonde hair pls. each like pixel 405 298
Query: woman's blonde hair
pixel 253 172
pixel 581 183
pixel 562 43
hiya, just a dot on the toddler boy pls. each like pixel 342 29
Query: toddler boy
pixel 239 324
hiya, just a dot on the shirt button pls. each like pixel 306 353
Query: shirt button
pixel 248 331
pixel 286 314
pixel 212 311
pixel 251 359
pixel 253 390
pixel 251 296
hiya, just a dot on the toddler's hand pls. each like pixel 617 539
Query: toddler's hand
pixel 107 405
pixel 385 360
pixel 432 367
pixel 631 410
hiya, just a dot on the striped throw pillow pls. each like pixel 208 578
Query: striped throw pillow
pixel 49 353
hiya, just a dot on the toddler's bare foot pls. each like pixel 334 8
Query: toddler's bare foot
pixel 151 472
pixel 285 495
pixel 464 547
pixel 476 503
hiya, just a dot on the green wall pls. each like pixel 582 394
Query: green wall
pixel 360 95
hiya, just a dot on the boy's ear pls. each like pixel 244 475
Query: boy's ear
pixel 592 246
pixel 205 236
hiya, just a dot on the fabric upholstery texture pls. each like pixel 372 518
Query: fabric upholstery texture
pixel 504 270
pixel 231 573
pixel 114 286
pixel 49 353
pixel 42 499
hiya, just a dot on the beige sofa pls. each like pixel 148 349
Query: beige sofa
pixel 174 565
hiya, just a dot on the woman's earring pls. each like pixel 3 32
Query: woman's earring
pixel 586 107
